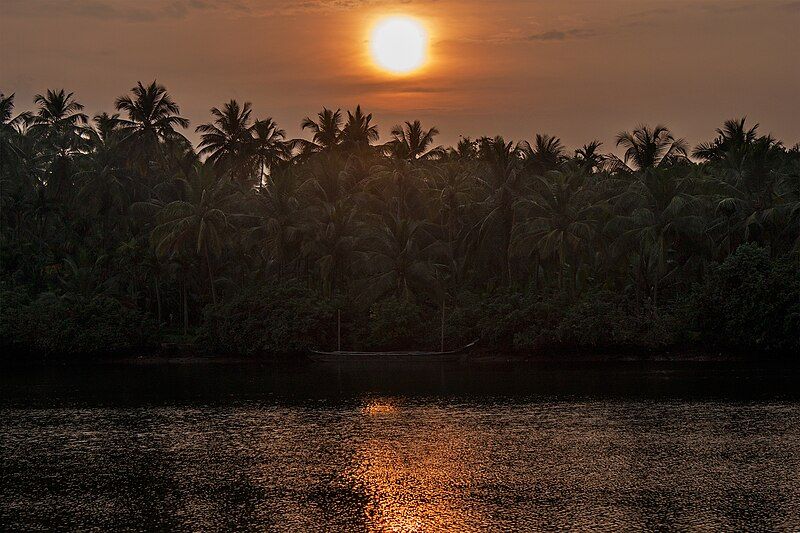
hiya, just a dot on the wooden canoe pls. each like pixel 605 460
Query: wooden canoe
pixel 410 354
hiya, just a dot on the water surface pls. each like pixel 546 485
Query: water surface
pixel 400 447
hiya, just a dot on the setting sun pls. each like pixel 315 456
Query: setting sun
pixel 399 44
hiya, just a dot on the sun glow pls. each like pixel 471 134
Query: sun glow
pixel 399 44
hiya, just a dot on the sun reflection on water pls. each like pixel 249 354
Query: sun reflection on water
pixel 380 407
pixel 409 473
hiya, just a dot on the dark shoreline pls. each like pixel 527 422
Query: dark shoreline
pixel 191 357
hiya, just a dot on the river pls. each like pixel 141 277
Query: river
pixel 419 446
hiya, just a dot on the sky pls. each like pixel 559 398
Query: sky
pixel 577 69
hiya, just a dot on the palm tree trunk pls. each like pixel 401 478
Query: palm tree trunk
pixel 730 238
pixel 574 279
pixel 655 297
pixel 211 279
pixel 185 309
pixel 158 301
pixel 441 346
pixel 508 245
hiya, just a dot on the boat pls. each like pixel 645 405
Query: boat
pixel 341 355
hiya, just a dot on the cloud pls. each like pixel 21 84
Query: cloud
pixel 728 6
pixel 521 35
pixel 142 11
pixel 152 10
pixel 792 6
pixel 561 35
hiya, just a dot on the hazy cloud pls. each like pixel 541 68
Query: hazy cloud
pixel 793 6
pixel 561 35
pixel 151 10
pixel 142 11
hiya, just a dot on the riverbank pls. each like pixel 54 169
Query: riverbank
pixel 195 356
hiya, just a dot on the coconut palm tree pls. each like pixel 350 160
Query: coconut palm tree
pixel 546 154
pixel 358 132
pixel 732 142
pixel 397 184
pixel 465 149
pixel 153 120
pixel 411 141
pixel 452 188
pixel 656 212
pixel 276 228
pixel 103 184
pixel 327 130
pixel 85 275
pixel 398 261
pixel 58 126
pixel 332 238
pixel 268 147
pixel 106 129
pixel 589 157
pixel 647 147
pixel 747 173
pixel 58 112
pixel 226 141
pixel 197 222
pixel 503 186
pixel 10 129
pixel 558 220
pixel 7 119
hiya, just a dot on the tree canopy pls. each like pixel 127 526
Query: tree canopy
pixel 125 207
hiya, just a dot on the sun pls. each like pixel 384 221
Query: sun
pixel 399 44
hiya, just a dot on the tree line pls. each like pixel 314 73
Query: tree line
pixel 252 240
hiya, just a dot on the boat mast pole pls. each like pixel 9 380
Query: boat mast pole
pixel 339 329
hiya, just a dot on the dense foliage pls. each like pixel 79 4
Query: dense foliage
pixel 254 242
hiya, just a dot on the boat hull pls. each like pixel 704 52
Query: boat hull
pixel 331 358
pixel 452 355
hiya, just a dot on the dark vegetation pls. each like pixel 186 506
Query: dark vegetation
pixel 117 235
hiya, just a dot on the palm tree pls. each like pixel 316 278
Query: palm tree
pixel 152 120
pixel 104 185
pixel 558 220
pixel 10 130
pixel 84 275
pixel 396 182
pixel 747 176
pixel 106 129
pixel 7 120
pixel 655 213
pixel 503 186
pixel 397 261
pixel 358 132
pixel 546 154
pixel 411 141
pixel 197 222
pixel 732 142
pixel 58 112
pixel 332 238
pixel 465 149
pixel 452 188
pixel 267 147
pixel 589 157
pixel 58 124
pixel 327 129
pixel 647 147
pixel 225 142
pixel 278 227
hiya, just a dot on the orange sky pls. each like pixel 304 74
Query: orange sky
pixel 579 69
